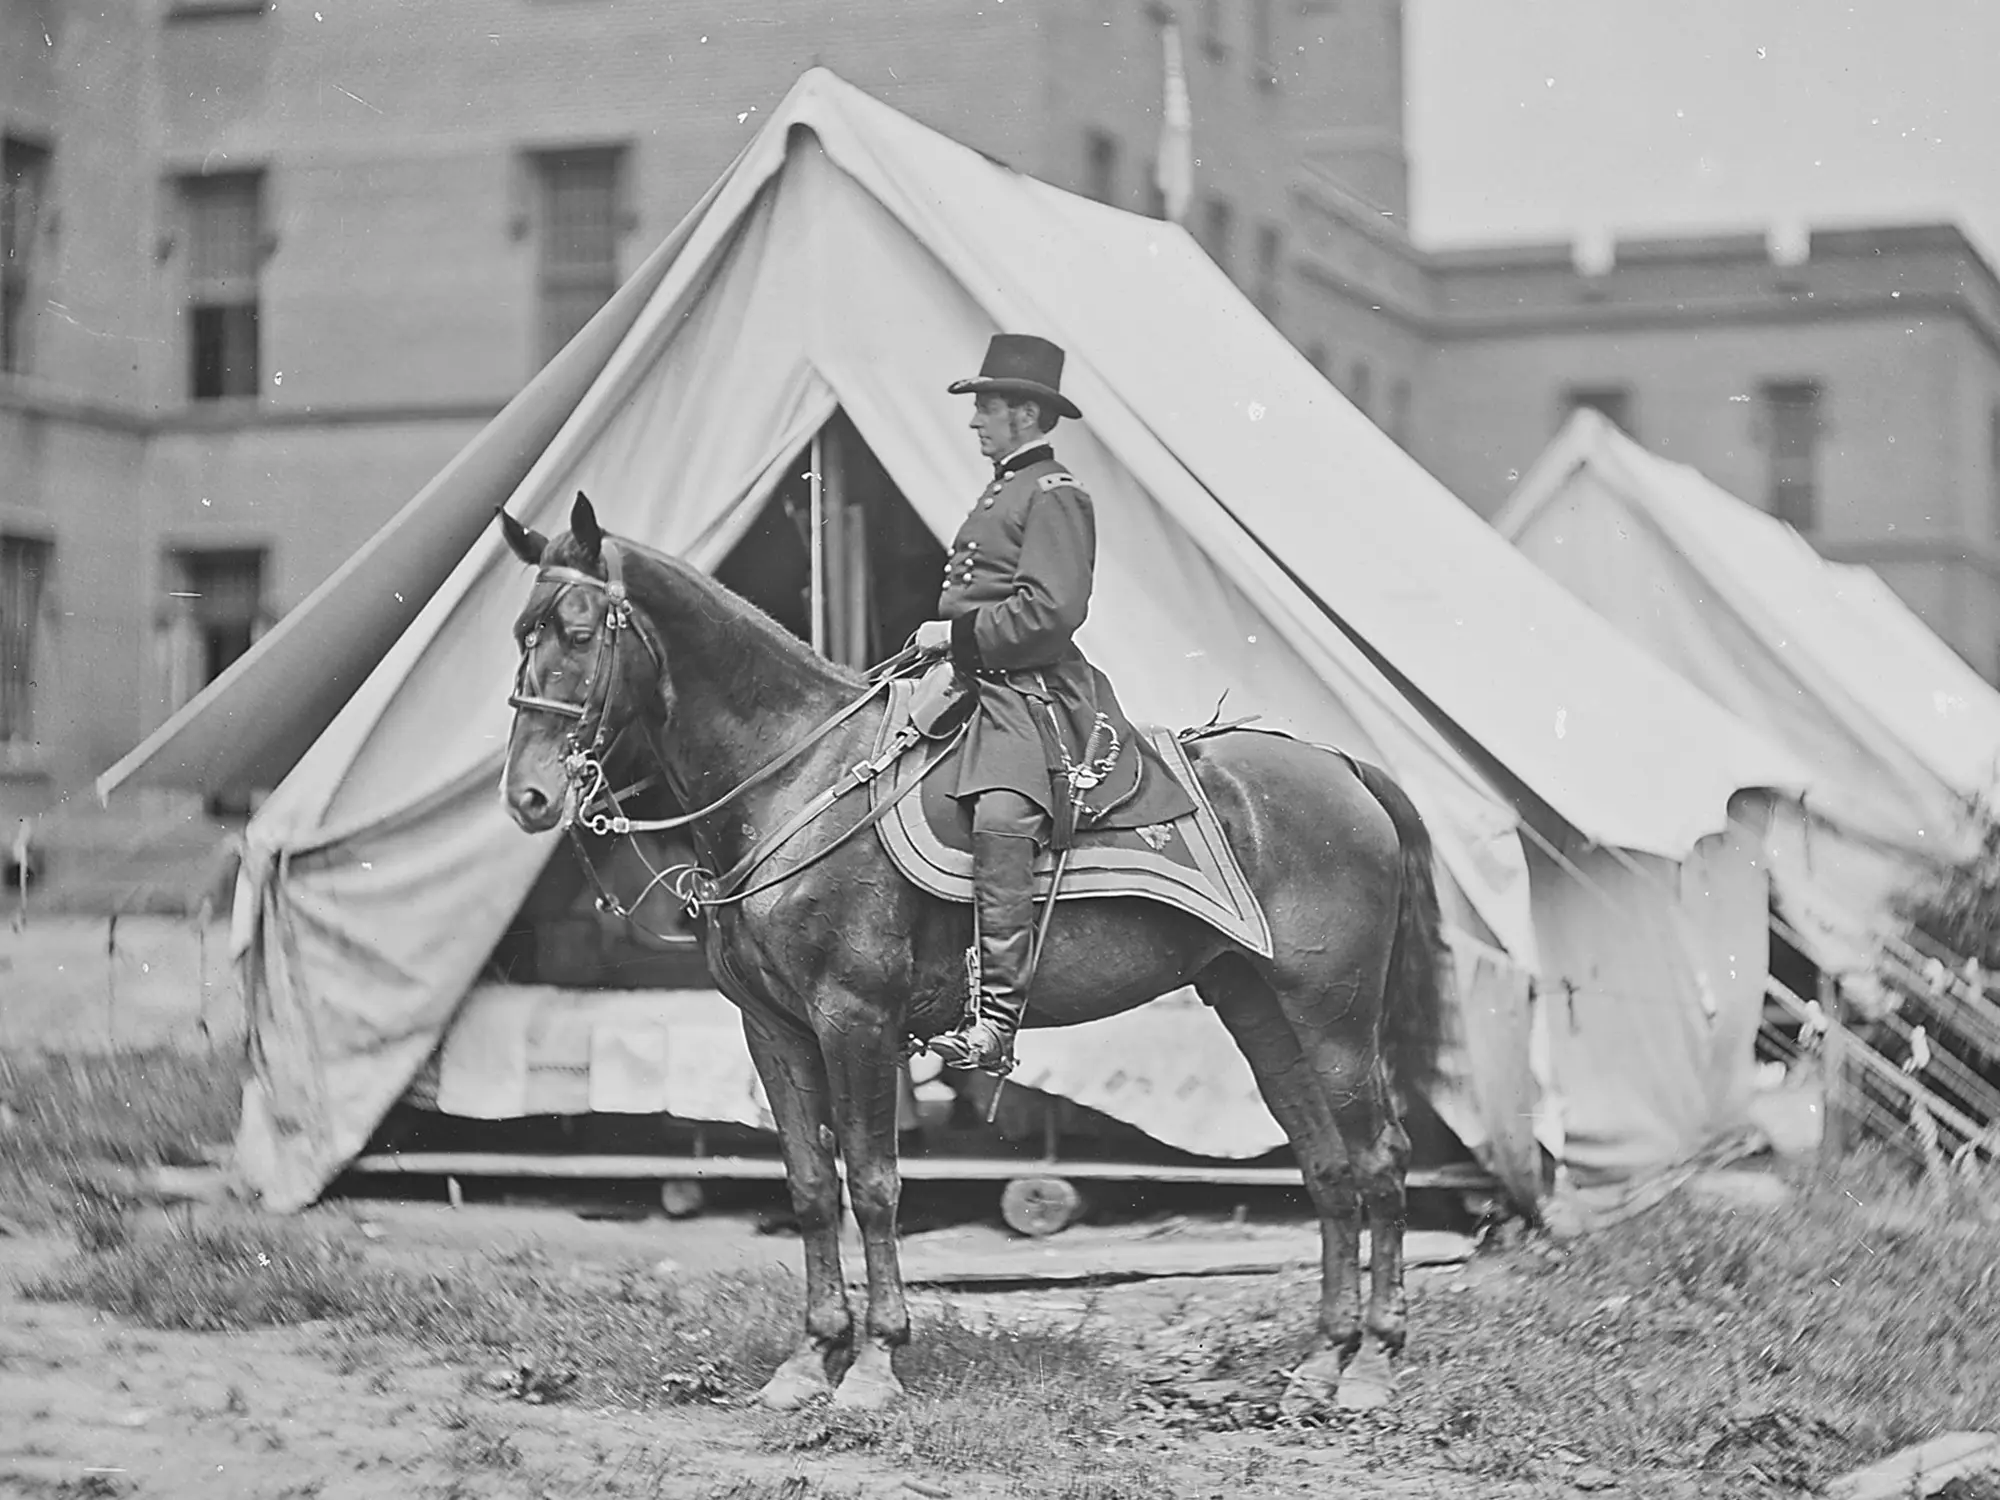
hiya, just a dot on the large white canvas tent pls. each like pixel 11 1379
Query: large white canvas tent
pixel 1257 535
pixel 1902 733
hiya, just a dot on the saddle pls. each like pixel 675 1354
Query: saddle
pixel 1185 862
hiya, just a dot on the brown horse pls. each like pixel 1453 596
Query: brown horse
pixel 837 960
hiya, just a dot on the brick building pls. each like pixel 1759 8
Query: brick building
pixel 265 266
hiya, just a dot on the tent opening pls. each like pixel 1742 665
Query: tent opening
pixel 874 576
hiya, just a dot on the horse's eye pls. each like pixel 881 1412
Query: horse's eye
pixel 579 636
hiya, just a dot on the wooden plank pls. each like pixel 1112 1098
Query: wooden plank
pixel 1922 1470
pixel 1080 1256
pixel 914 1169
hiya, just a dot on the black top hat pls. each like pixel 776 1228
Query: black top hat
pixel 1019 364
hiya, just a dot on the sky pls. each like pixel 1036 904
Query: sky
pixel 1560 119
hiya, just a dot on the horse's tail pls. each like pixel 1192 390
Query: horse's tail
pixel 1415 1022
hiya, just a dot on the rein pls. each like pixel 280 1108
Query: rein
pixel 595 804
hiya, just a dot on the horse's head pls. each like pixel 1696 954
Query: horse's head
pixel 592 668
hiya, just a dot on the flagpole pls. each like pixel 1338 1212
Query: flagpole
pixel 1173 169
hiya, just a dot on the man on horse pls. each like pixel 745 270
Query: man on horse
pixel 1048 726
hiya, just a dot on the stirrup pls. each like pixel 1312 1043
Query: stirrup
pixel 955 1050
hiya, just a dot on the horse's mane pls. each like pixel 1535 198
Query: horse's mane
pixel 774 666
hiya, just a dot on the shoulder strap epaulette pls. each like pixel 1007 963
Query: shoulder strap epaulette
pixel 1059 481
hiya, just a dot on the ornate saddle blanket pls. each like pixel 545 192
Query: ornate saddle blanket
pixel 1186 863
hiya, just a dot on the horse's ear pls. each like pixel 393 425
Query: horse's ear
pixel 527 545
pixel 584 530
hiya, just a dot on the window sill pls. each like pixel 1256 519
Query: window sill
pixel 201 10
pixel 220 411
pixel 23 763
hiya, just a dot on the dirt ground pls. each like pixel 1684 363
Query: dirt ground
pixel 91 1406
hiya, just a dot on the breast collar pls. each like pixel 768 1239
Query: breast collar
pixel 1034 453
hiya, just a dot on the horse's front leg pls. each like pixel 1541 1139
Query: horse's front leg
pixel 795 1081
pixel 863 1050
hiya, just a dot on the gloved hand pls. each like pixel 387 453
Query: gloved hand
pixel 934 637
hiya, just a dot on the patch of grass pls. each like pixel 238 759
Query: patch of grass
pixel 789 1487
pixel 626 1339
pixel 86 1487
pixel 1015 1403
pixel 63 1114
pixel 211 1277
pixel 1127 1479
pixel 1759 1347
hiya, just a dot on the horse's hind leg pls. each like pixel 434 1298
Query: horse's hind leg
pixel 795 1082
pixel 1380 1150
pixel 1306 1107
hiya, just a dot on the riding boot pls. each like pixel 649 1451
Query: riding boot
pixel 1004 900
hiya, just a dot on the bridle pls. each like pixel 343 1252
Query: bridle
pixel 590 800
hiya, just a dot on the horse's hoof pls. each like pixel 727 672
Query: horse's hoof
pixel 870 1383
pixel 1311 1386
pixel 799 1381
pixel 1369 1383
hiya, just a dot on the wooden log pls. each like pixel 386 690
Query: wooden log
pixel 682 1197
pixel 1040 1206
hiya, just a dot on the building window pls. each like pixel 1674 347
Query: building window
pixel 216 611
pixel 1156 196
pixel 1793 424
pixel 24 571
pixel 578 193
pixel 1212 40
pixel 1612 402
pixel 1361 385
pixel 1399 412
pixel 1270 267
pixel 1263 45
pixel 225 223
pixel 1100 166
pixel 1218 226
pixel 24 184
pixel 1318 357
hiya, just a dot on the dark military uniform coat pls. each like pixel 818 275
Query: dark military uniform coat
pixel 1016 590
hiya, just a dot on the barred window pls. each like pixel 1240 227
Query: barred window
pixel 578 199
pixel 24 569
pixel 24 178
pixel 225 221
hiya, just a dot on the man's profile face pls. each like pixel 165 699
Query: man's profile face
pixel 1001 425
